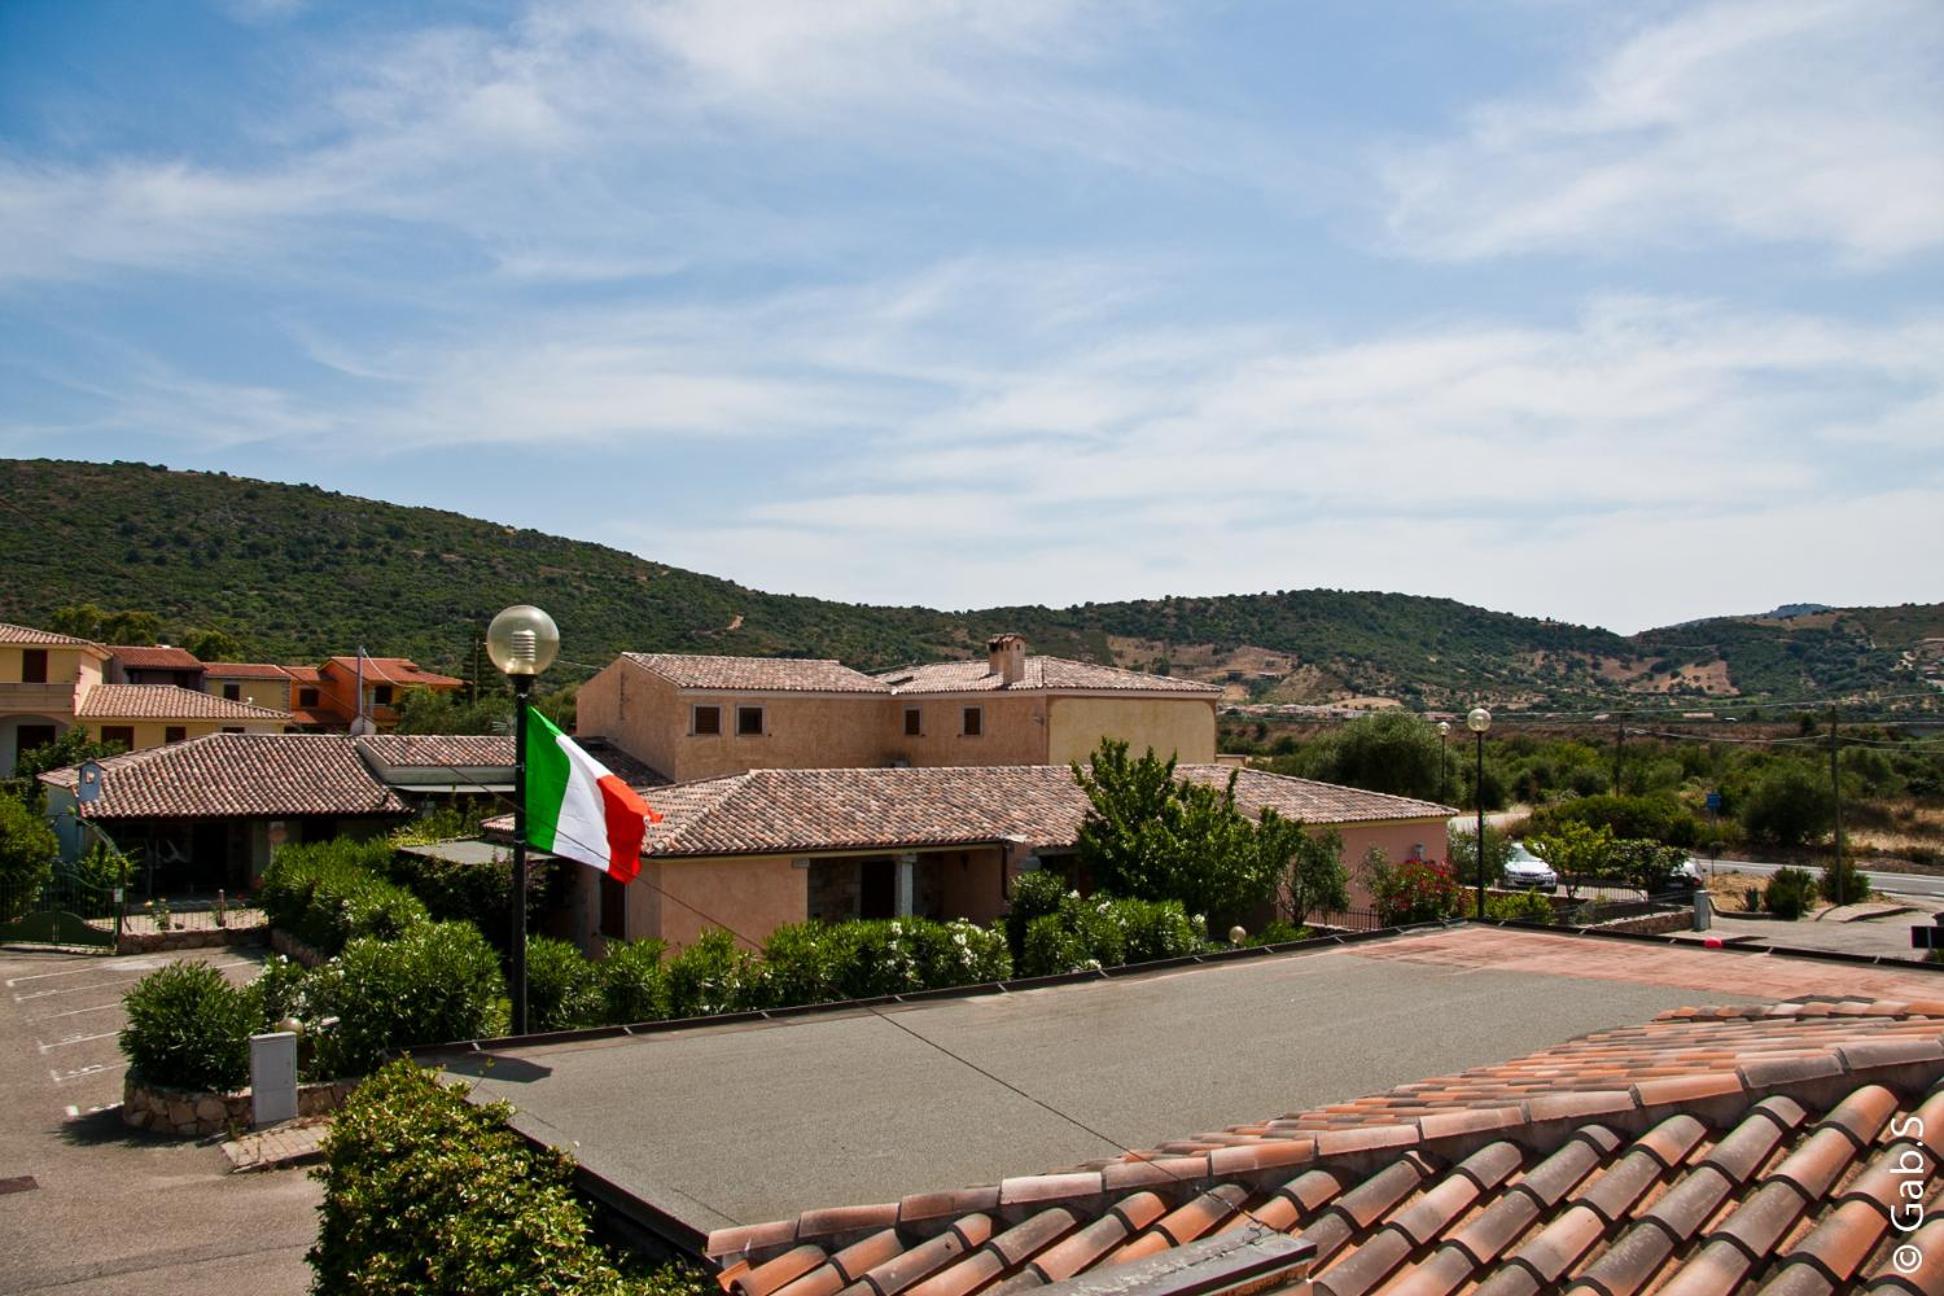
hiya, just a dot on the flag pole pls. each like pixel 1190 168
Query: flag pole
pixel 516 970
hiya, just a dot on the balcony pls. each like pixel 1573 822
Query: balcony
pixel 38 699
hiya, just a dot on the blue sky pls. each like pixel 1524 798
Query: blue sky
pixel 1620 313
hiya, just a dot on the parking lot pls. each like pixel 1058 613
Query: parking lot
pixel 87 1205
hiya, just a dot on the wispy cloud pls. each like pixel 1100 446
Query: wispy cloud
pixel 1791 121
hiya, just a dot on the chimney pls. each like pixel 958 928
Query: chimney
pixel 1006 656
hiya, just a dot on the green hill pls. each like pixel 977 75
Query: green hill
pixel 295 573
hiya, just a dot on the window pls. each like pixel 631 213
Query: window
pixel 749 722
pixel 381 695
pixel 974 723
pixel 33 666
pixel 614 909
pixel 175 733
pixel 232 728
pixel 123 734
pixel 233 692
pixel 914 722
pixel 306 697
pixel 705 720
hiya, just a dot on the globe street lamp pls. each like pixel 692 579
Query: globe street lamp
pixel 522 641
pixel 1444 761
pixel 1478 722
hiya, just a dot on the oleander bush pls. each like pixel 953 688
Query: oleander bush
pixel 1789 893
pixel 1524 906
pixel 1034 895
pixel 634 982
pixel 428 1194
pixel 1102 931
pixel 437 982
pixel 563 987
pixel 713 975
pixel 189 1028
pixel 327 894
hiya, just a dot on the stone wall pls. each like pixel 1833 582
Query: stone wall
pixel 282 942
pixel 203 938
pixel 187 1113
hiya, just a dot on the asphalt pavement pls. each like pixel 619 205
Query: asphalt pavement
pixel 94 1207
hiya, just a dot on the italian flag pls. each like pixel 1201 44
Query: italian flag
pixel 575 808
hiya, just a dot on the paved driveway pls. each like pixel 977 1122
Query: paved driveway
pixel 113 1211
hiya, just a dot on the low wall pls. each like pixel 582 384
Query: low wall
pixel 1654 924
pixel 187 1113
pixel 202 938
pixel 282 942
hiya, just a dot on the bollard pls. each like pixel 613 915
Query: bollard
pixel 273 1078
pixel 1703 911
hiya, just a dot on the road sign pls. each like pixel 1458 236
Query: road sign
pixel 1714 803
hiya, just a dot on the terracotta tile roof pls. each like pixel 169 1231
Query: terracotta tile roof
pixel 780 811
pixel 1707 1152
pixel 166 702
pixel 304 674
pixel 247 670
pixel 155 657
pixel 756 674
pixel 1042 673
pixel 438 751
pixel 394 670
pixel 28 637
pixel 238 774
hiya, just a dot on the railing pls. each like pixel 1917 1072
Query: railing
pixel 1347 920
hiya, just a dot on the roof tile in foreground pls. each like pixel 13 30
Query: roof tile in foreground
pixel 780 811
pixel 166 702
pixel 1808 1179
pixel 238 774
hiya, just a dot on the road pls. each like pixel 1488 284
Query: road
pixel 1917 886
pixel 87 1205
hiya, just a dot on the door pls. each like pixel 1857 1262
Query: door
pixel 27 737
pixel 877 889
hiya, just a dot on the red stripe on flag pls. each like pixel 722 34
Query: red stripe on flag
pixel 627 818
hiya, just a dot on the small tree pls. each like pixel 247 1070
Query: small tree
pixel 28 849
pixel 214 646
pixel 1390 751
pixel 1646 866
pixel 1842 878
pixel 1790 806
pixel 71 748
pixel 1575 852
pixel 1464 856
pixel 1315 880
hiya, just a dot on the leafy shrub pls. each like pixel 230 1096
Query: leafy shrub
pixel 1525 906
pixel 1034 895
pixel 1464 855
pixel 1789 806
pixel 1416 891
pixel 1790 892
pixel 1279 931
pixel 1656 816
pixel 1101 931
pixel 437 982
pixel 634 983
pixel 279 991
pixel 1055 945
pixel 563 988
pixel 28 849
pixel 1646 866
pixel 476 893
pixel 424 1192
pixel 329 893
pixel 713 975
pixel 1156 929
pixel 1847 883
pixel 189 1028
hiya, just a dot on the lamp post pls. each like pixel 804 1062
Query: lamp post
pixel 1478 722
pixel 1444 761
pixel 522 641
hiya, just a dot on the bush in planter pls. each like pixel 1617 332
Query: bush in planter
pixel 1034 895
pixel 1156 929
pixel 1790 892
pixel 189 1028
pixel 426 1193
pixel 563 988
pixel 437 982
pixel 634 982
pixel 958 952
pixel 1526 906
pixel 1083 934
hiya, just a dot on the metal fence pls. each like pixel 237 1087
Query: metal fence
pixel 66 908
pixel 1346 920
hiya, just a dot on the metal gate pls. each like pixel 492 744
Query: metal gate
pixel 66 909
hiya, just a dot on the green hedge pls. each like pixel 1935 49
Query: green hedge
pixel 427 1193
pixel 189 1028
pixel 437 982
pixel 563 989
pixel 1101 932
pixel 330 893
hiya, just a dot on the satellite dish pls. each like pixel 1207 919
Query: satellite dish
pixel 87 788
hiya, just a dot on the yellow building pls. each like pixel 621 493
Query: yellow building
pixel 141 716
pixel 695 717
pixel 260 684
pixel 42 677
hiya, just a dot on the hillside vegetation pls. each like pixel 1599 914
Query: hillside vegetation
pixel 294 572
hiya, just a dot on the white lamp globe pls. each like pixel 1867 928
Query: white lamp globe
pixel 1479 720
pixel 522 640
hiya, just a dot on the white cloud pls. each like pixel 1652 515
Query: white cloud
pixel 1789 121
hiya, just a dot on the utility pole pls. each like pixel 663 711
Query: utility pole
pixel 1836 799
pixel 1619 750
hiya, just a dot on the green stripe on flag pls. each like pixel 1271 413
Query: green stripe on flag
pixel 547 773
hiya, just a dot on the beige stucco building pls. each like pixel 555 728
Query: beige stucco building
pixel 695 717
pixel 42 677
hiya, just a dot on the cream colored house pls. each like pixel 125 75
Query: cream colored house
pixel 696 717
pixel 42 677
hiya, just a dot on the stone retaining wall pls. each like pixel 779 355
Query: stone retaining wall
pixel 1654 924
pixel 202 938
pixel 187 1113
pixel 282 942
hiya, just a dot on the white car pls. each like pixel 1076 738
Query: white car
pixel 1524 869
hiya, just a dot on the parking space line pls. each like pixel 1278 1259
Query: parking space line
pixel 44 994
pixel 145 965
pixel 82 1073
pixel 75 1039
pixel 71 1012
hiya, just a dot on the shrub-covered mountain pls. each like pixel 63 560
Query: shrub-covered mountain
pixel 295 573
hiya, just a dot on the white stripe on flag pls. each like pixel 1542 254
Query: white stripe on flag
pixel 582 833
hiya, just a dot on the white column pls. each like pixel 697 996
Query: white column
pixel 907 866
